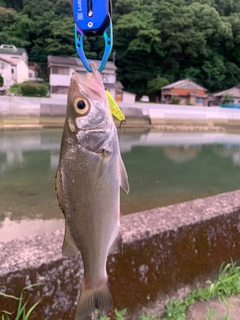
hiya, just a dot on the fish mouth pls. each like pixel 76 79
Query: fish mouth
pixel 89 84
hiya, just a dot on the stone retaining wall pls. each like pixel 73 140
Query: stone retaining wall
pixel 51 112
pixel 167 251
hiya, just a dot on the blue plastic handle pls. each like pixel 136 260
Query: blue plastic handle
pixel 91 16
pixel 108 36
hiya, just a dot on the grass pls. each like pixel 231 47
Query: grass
pixel 22 313
pixel 227 284
pixel 120 315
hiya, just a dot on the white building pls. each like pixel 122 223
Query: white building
pixel 33 72
pixel 61 69
pixel 13 65
pixel 6 73
pixel 13 54
pixel 234 92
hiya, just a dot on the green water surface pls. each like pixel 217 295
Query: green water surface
pixel 162 171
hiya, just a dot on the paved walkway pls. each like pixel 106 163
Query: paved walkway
pixel 200 310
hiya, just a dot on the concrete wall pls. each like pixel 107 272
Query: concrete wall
pixel 167 252
pixel 156 114
pixel 128 97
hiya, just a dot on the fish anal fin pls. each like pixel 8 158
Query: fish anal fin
pixel 123 176
pixel 69 247
pixel 117 245
pixel 98 297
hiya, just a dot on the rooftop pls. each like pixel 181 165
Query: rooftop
pixel 70 61
pixel 184 84
pixel 11 49
pixel 235 92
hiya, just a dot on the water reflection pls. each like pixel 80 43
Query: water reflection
pixel 181 154
pixel 163 168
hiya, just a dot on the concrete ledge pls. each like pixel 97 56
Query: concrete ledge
pixel 166 251
pixel 51 112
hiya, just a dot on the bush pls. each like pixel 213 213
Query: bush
pixel 31 89
pixel 15 89
pixel 228 98
pixel 175 100
pixel 1 81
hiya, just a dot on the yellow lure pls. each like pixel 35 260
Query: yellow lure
pixel 115 110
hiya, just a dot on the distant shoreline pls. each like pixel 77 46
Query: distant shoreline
pixel 30 113
pixel 161 128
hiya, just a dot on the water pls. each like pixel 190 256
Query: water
pixel 163 169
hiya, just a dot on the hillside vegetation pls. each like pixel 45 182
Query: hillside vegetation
pixel 173 39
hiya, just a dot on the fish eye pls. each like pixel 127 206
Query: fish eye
pixel 81 106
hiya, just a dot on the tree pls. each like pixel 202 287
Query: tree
pixel 154 87
pixel 61 38
pixel 1 81
pixel 227 98
pixel 175 38
pixel 6 17
pixel 17 33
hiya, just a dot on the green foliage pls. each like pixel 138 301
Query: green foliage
pixel 6 16
pixel 119 315
pixel 15 89
pixel 175 100
pixel 22 312
pixel 177 39
pixel 29 89
pixel 228 98
pixel 227 284
pixel 210 314
pixel 149 317
pixel 155 85
pixel 1 81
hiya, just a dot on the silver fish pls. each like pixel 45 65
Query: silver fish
pixel 88 180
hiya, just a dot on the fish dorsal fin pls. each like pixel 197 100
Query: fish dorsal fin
pixel 117 245
pixel 69 247
pixel 58 190
pixel 123 176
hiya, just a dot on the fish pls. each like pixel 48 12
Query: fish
pixel 87 184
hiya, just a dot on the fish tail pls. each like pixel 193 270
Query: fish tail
pixel 90 298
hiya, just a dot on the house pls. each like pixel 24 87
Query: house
pixel 33 72
pixel 61 69
pixel 6 73
pixel 13 54
pixel 13 65
pixel 187 91
pixel 216 98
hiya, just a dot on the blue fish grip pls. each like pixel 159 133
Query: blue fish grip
pixel 93 17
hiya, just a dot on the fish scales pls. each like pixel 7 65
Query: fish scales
pixel 88 180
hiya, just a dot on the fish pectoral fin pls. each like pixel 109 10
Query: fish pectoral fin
pixel 123 176
pixel 102 169
pixel 96 297
pixel 69 247
pixel 117 245
pixel 58 190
